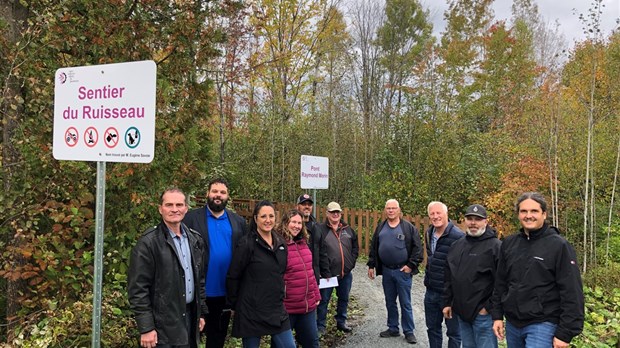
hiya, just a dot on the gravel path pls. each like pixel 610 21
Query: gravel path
pixel 369 295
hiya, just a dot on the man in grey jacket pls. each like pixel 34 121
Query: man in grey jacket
pixel 340 243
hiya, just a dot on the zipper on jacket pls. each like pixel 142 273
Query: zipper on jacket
pixel 341 252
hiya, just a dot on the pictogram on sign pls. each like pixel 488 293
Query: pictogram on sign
pixel 71 136
pixel 91 136
pixel 110 137
pixel 132 137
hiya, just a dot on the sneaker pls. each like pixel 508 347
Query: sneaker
pixel 410 338
pixel 389 333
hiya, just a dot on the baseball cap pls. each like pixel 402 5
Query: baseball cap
pixel 304 198
pixel 333 206
pixel 476 210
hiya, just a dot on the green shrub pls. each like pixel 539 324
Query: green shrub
pixel 602 321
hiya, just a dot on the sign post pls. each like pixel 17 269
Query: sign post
pixel 104 113
pixel 314 174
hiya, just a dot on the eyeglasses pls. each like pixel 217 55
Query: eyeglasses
pixel 335 212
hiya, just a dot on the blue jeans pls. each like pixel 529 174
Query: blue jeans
pixel 398 284
pixel 433 307
pixel 283 339
pixel 539 335
pixel 478 334
pixel 342 291
pixel 306 333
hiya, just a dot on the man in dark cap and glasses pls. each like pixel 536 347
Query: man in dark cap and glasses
pixel 469 277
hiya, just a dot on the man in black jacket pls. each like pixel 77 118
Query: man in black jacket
pixel 221 229
pixel 395 253
pixel 469 277
pixel 165 281
pixel 538 286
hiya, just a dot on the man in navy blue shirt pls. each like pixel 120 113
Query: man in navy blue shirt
pixel 221 230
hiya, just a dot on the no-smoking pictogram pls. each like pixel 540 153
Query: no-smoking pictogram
pixel 91 136
pixel 71 136
pixel 110 137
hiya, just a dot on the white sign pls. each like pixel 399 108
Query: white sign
pixel 314 172
pixel 105 112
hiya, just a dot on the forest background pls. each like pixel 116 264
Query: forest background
pixel 485 111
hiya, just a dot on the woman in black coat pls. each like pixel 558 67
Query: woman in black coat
pixel 255 283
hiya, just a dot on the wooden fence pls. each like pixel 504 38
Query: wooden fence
pixel 362 221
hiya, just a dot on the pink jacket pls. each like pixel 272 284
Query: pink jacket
pixel 302 291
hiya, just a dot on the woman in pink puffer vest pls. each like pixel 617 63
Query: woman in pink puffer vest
pixel 302 292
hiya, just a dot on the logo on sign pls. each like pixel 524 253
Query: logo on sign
pixel 132 137
pixel 62 77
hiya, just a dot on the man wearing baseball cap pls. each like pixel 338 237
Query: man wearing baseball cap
pixel 304 205
pixel 469 277
pixel 340 244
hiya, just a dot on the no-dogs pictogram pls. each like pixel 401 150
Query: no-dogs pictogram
pixel 71 136
pixel 110 137
pixel 91 136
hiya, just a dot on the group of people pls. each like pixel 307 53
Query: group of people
pixel 198 269
pixel 475 283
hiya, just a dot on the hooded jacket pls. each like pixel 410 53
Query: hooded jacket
pixel 302 291
pixel 255 286
pixel 470 274
pixel 538 280
pixel 156 284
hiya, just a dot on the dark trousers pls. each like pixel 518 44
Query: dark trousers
pixel 217 321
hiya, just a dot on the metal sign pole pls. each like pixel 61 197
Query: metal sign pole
pixel 314 205
pixel 99 219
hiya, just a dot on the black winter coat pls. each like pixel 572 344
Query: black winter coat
pixel 436 262
pixel 156 285
pixel 538 280
pixel 412 243
pixel 470 274
pixel 255 286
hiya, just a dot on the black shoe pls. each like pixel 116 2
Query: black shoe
pixel 389 333
pixel 410 338
pixel 344 328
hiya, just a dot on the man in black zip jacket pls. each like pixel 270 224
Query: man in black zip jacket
pixel 395 253
pixel 538 287
pixel 469 278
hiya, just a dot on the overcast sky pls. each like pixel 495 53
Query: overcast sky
pixel 566 12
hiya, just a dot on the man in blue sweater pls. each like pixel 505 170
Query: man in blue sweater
pixel 439 238
pixel 221 229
